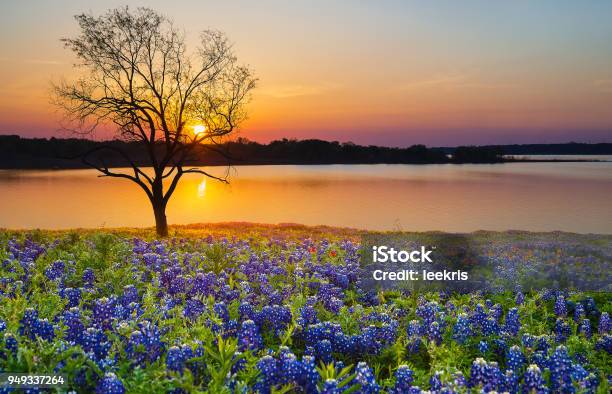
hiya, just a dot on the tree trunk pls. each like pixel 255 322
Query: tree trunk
pixel 161 223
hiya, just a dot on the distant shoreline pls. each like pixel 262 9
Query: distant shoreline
pixel 83 167
pixel 54 153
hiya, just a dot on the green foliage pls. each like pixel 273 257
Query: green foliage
pixel 342 376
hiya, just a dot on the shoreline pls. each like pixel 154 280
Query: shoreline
pixel 253 164
pixel 290 230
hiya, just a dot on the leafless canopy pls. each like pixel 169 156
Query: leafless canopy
pixel 141 78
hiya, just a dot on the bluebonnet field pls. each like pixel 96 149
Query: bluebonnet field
pixel 116 313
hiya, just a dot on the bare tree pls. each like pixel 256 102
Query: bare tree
pixel 140 78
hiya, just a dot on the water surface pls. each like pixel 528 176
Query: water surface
pixel 574 197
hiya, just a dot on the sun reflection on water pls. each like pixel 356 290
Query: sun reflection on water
pixel 202 188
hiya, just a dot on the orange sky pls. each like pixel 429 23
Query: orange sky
pixel 389 72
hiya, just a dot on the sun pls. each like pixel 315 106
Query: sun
pixel 199 129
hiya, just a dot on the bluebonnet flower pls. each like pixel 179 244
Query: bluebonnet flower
pixel 560 366
pixel 2 325
pixel 27 325
pixel 500 346
pixel 533 382
pixel 560 308
pixel 175 360
pixel 152 340
pixel 193 308
pixel 55 270
pixel 483 347
pixel 88 277
pixel 249 337
pixel 289 366
pixel 591 383
pixel 462 330
pixel 478 373
pixel 578 373
pixel 135 349
pixel 246 311
pixel 268 374
pixel 434 333
pixel 590 307
pixel 276 316
pixel 366 379
pixel 177 285
pixel 197 367
pixel 331 387
pixel 496 312
pixel 130 294
pixel 515 358
pixel 579 312
pixel 220 310
pixel 308 315
pixel 512 325
pixel 528 340
pixel 323 351
pixel 585 328
pixel 562 330
pixel 494 378
pixel 510 383
pixel 604 324
pixel 96 343
pixel 415 328
pixel 102 313
pixel 110 384
pixel 427 312
pixel 203 284
pixel 542 343
pixel 10 343
pixel 73 296
pixel 187 352
pixel 403 379
pixel 44 329
pixel 490 327
pixel 520 298
pixel 310 375
pixel 478 317
pixel 604 343
pixel 435 382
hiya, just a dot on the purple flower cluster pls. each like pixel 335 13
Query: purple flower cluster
pixel 305 295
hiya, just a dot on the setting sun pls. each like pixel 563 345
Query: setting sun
pixel 199 129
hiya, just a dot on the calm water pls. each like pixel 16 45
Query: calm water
pixel 526 196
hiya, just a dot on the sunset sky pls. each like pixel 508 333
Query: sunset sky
pixel 382 72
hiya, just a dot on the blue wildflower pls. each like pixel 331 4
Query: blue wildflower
pixel 462 330
pixel 249 337
pixel 515 358
pixel 110 384
pixel 533 382
pixel 604 324
pixel 403 379
pixel 366 379
pixel 175 360
pixel 560 308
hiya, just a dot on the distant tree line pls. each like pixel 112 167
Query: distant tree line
pixel 570 148
pixel 17 152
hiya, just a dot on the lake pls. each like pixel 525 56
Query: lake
pixel 574 197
